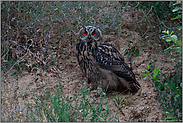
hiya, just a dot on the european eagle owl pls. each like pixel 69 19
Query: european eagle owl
pixel 102 64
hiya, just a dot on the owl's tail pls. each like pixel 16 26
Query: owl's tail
pixel 134 86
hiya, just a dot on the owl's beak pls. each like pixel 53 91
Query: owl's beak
pixel 89 37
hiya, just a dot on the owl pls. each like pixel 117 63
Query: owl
pixel 102 64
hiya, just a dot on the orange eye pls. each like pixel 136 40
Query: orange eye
pixel 85 33
pixel 93 33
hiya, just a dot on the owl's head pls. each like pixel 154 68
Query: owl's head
pixel 89 34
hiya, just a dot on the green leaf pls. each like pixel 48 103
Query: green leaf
pixel 129 45
pixel 155 78
pixel 157 83
pixel 155 72
pixel 130 55
pixel 170 85
pixel 136 52
pixel 173 120
pixel 172 32
pixel 144 71
pixel 164 32
pixel 178 95
pixel 177 17
pixel 177 9
pixel 174 38
pixel 144 74
pixel 161 87
pixel 179 43
pixel 178 2
pixel 170 117
pixel 179 50
pixel 126 51
pixel 168 39
pixel 146 78
pixel 179 28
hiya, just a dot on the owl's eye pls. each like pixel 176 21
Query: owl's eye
pixel 85 33
pixel 93 33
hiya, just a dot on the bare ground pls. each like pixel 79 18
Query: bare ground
pixel 143 106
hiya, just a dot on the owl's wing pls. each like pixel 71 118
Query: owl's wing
pixel 108 57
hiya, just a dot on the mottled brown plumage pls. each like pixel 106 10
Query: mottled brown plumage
pixel 102 64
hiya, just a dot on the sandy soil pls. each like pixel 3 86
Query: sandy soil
pixel 143 106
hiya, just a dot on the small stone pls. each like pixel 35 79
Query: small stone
pixel 142 108
pixel 145 94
